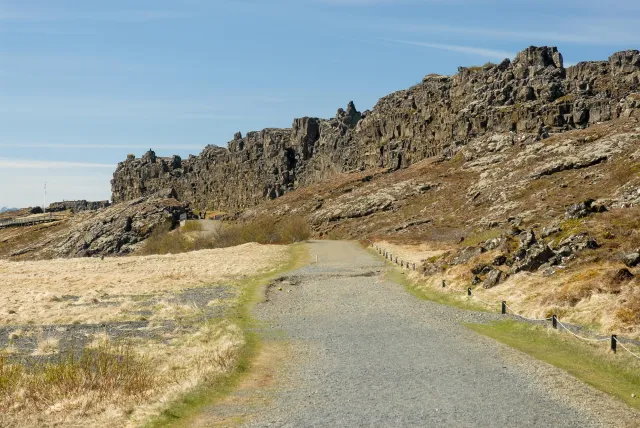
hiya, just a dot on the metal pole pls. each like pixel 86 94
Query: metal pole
pixel 469 291
pixel 614 340
pixel 504 307
pixel 554 321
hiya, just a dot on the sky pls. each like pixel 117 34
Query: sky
pixel 83 83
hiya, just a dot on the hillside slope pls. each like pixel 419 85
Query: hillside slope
pixel 550 225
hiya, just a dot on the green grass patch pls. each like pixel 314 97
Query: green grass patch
pixel 569 227
pixel 189 405
pixel 616 374
pixel 425 292
pixel 479 237
pixel 192 226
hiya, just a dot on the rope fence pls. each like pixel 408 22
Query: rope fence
pixel 506 309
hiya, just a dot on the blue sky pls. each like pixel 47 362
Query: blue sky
pixel 84 83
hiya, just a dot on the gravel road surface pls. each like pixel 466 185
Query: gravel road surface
pixel 367 353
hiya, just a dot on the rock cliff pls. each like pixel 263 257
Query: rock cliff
pixel 77 206
pixel 532 95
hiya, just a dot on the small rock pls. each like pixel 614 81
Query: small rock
pixel 494 243
pixel 481 269
pixel 549 271
pixel 550 230
pixel 527 239
pixel 500 260
pixel 493 279
pixel 631 259
pixel 535 257
pixel 623 275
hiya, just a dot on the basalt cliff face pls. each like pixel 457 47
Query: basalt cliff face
pixel 532 97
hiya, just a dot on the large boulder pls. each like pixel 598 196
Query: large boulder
pixel 631 259
pixel 494 278
pixel 537 255
pixel 583 209
pixel 120 229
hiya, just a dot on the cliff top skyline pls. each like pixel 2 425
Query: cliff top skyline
pixel 83 84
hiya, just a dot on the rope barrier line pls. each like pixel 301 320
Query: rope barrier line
pixel 526 318
pixel 581 337
pixel 587 339
pixel 625 348
pixel 486 303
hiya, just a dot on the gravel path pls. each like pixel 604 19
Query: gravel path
pixel 367 353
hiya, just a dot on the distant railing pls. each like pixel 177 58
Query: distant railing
pixel 31 220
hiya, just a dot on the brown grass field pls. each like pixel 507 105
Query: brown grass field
pixel 90 342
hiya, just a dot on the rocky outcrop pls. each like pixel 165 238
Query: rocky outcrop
pixel 115 230
pixel 534 94
pixel 77 206
pixel 120 229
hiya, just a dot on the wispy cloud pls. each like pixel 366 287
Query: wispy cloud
pixel 378 2
pixel 97 146
pixel 576 31
pixel 10 163
pixel 472 50
pixel 43 14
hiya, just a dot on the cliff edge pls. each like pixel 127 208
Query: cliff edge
pixel 532 96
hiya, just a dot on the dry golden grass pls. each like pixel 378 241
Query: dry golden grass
pixel 33 291
pixel 413 253
pixel 109 384
pixel 124 382
pixel 586 294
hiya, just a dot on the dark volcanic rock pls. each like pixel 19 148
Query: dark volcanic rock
pixel 481 269
pixel 77 206
pixel 631 259
pixel 535 257
pixel 532 94
pixel 466 254
pixel 579 242
pixel 622 275
pixel 527 239
pixel 494 278
pixel 121 228
pixel 499 260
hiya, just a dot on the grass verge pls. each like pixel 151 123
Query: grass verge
pixel 618 375
pixel 425 292
pixel 178 413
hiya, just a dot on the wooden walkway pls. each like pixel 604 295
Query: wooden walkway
pixel 31 220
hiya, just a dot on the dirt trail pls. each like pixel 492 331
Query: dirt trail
pixel 364 352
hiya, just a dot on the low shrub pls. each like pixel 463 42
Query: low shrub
pixel 296 229
pixel 165 241
pixel 101 373
pixel 263 231
pixel 192 226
